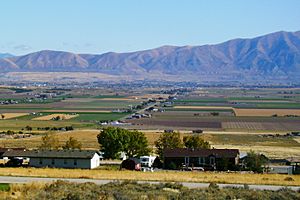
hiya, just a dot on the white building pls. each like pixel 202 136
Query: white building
pixel 84 159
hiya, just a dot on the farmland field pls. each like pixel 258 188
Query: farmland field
pixel 52 116
pixel 266 112
pixel 193 120
pixel 219 112
pixel 11 115
pixel 203 107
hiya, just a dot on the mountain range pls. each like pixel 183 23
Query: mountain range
pixel 269 56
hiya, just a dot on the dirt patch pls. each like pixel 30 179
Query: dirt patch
pixel 61 116
pixel 12 115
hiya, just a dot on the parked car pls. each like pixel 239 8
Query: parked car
pixel 14 162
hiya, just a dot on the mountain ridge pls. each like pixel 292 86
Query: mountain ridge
pixel 274 54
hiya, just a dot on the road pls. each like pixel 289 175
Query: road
pixel 14 179
pixel 141 111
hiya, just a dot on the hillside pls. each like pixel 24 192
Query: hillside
pixel 276 54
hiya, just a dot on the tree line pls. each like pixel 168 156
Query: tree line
pixel 113 141
pixel 134 143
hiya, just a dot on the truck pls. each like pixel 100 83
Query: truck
pixel 147 163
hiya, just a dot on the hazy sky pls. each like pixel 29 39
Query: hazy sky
pixel 97 26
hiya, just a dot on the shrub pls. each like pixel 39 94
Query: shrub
pixel 289 179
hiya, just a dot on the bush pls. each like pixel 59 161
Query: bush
pixel 4 187
pixel 172 166
pixel 213 186
pixel 133 190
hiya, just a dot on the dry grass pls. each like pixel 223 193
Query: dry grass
pixel 50 117
pixel 204 107
pixel 12 115
pixel 297 139
pixel 88 138
pixel 265 112
pixel 269 151
pixel 233 178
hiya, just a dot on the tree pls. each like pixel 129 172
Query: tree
pixel 2 116
pixel 255 162
pixel 115 140
pixel 49 142
pixel 167 140
pixel 72 143
pixel 110 140
pixel 28 128
pixel 137 144
pixel 195 142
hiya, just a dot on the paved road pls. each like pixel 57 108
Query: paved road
pixel 142 111
pixel 13 179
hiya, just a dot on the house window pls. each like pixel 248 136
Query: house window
pixel 186 160
pixel 212 160
pixel 75 162
pixel 41 161
pixel 201 160
pixel 53 162
pixel 65 161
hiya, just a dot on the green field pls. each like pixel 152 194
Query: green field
pixel 86 117
pixel 4 187
pixel 21 124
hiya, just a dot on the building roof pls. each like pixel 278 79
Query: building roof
pixel 3 150
pixel 183 152
pixel 52 154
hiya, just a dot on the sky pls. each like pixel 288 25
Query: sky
pixel 99 26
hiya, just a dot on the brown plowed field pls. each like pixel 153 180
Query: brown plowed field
pixel 265 112
pixel 178 123
pixel 272 126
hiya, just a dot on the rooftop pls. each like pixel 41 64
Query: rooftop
pixel 183 152
pixel 51 153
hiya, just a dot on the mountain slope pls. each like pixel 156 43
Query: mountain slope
pixel 50 61
pixel 275 54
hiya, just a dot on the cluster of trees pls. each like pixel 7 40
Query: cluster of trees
pixel 66 128
pixel 10 132
pixel 57 118
pixel 50 142
pixel 173 140
pixel 134 143
pixel 113 141
pixel 255 162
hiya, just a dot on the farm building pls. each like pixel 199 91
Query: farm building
pixel 208 159
pixel 84 159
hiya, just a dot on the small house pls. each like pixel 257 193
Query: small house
pixel 208 159
pixel 85 159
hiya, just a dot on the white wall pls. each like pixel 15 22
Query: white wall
pixel 95 161
pixel 66 163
